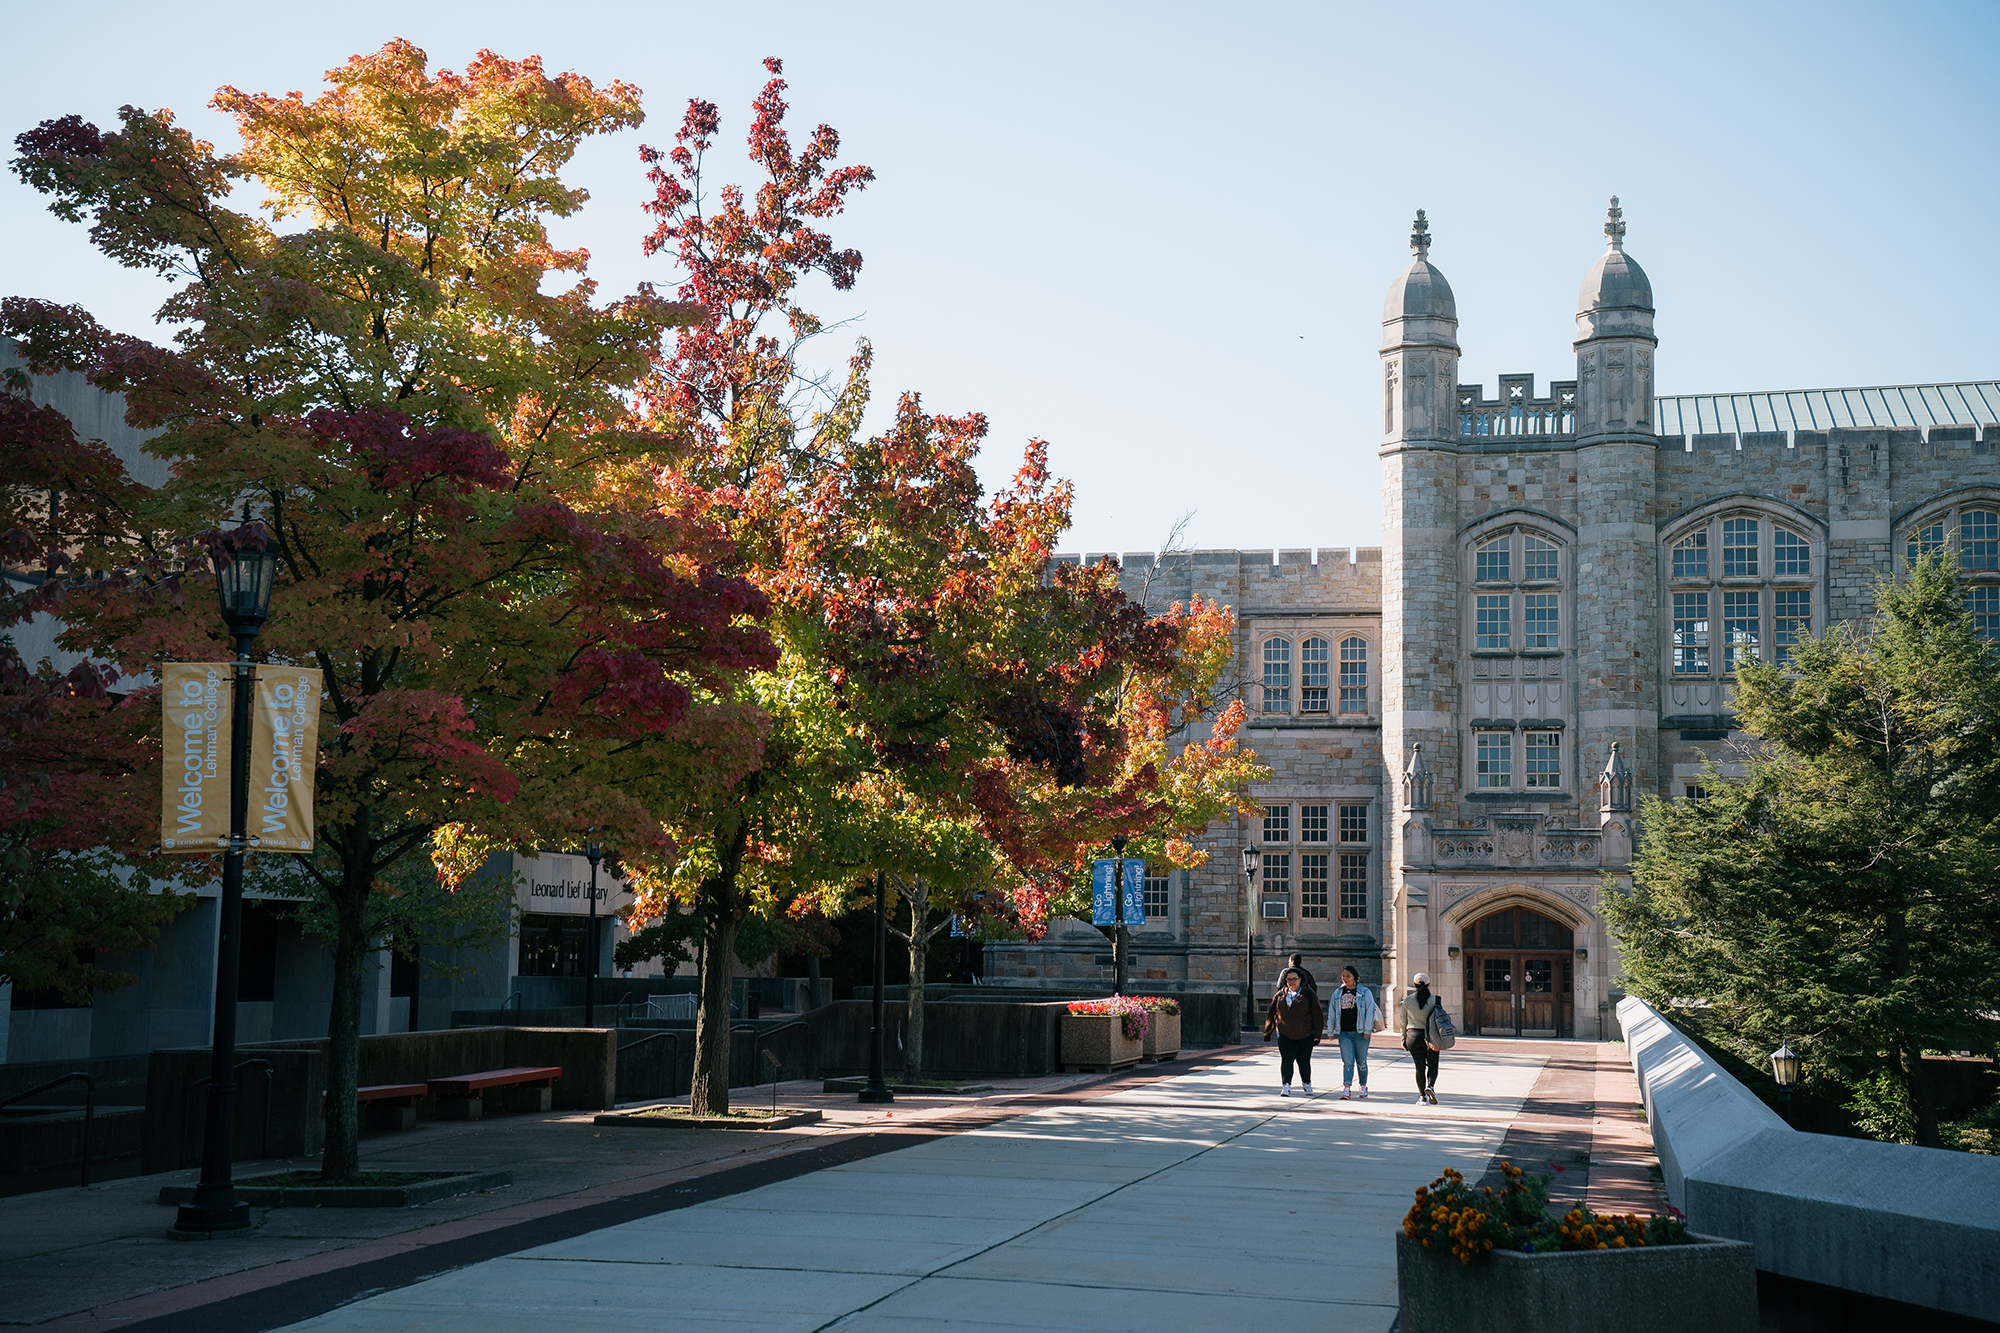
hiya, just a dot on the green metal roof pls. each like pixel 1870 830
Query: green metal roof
pixel 1900 406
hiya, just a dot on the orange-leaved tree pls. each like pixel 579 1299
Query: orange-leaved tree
pixel 428 431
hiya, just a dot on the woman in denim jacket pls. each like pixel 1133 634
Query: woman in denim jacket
pixel 1351 1014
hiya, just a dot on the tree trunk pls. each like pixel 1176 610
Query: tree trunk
pixel 913 1048
pixel 710 1093
pixel 341 1159
pixel 1916 1082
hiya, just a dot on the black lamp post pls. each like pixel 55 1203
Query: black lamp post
pixel 593 853
pixel 1251 861
pixel 877 1090
pixel 1118 915
pixel 243 580
pixel 1785 1072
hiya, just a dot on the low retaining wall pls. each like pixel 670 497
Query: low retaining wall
pixel 39 1143
pixel 588 1057
pixel 1915 1225
pixel 1208 1018
pixel 1016 1038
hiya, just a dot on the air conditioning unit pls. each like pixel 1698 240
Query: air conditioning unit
pixel 1277 907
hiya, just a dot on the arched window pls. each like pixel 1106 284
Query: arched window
pixel 1313 670
pixel 1754 603
pixel 1354 675
pixel 1277 675
pixel 1517 597
pixel 1975 531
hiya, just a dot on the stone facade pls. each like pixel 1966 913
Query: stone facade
pixel 1550 628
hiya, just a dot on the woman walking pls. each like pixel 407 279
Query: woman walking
pixel 1350 1018
pixel 1297 1019
pixel 1416 1011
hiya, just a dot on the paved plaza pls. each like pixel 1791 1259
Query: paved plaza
pixel 1185 1196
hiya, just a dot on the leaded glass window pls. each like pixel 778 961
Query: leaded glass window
pixel 1791 620
pixel 1544 759
pixel 1312 823
pixel 1691 634
pixel 1538 620
pixel 1496 758
pixel 1312 885
pixel 1492 630
pixel 1354 823
pixel 1739 547
pixel 1277 675
pixel 1492 563
pixel 1739 628
pixel 1538 559
pixel 1791 554
pixel 1353 675
pixel 1979 540
pixel 1312 675
pixel 1277 823
pixel 1984 604
pixel 1354 886
pixel 1155 888
pixel 1691 556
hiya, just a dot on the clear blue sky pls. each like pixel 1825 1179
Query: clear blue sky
pixel 1159 235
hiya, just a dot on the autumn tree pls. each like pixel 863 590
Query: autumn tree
pixel 427 426
pixel 1842 895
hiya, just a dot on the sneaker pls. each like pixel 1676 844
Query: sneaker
pixel 1363 1095
pixel 1284 1089
pixel 1430 1095
pixel 1346 1093
pixel 1307 1089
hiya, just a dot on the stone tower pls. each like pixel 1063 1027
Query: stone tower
pixel 1419 564
pixel 1617 572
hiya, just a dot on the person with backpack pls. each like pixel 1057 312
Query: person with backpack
pixel 1296 1018
pixel 1427 1029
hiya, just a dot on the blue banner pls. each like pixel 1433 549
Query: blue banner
pixel 1103 892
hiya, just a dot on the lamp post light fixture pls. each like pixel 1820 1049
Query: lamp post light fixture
pixel 1118 915
pixel 592 852
pixel 243 580
pixel 1785 1073
pixel 1251 863
pixel 877 1089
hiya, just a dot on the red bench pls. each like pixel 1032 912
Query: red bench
pixel 387 1105
pixel 527 1088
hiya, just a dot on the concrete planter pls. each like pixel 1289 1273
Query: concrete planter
pixel 1096 1043
pixel 1710 1285
pixel 1163 1039
pixel 739 1119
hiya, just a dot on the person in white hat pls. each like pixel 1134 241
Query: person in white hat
pixel 1416 1012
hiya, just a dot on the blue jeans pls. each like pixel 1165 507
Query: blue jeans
pixel 1353 1051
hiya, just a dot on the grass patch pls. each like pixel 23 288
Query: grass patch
pixel 293 1180
pixel 735 1113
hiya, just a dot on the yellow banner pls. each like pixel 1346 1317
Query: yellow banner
pixel 284 754
pixel 194 804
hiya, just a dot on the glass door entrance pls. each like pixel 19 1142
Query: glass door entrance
pixel 1518 975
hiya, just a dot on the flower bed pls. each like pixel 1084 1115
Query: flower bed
pixel 1475 1260
pixel 1163 1037
pixel 1102 1035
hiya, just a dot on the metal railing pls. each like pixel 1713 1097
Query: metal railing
pixel 674 1066
pixel 770 1057
pixel 187 1104
pixel 89 1110
pixel 673 1006
pixel 514 999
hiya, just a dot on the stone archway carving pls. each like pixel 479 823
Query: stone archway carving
pixel 1466 903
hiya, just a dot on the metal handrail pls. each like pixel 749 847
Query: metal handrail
pixel 633 998
pixel 514 999
pixel 763 1036
pixel 89 1110
pixel 674 1069
pixel 187 1102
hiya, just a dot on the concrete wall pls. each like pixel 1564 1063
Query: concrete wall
pixel 1899 1223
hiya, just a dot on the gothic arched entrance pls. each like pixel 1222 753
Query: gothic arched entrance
pixel 1519 975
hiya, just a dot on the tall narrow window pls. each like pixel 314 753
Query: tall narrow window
pixel 1354 886
pixel 1538 621
pixel 1544 757
pixel 1354 675
pixel 1984 604
pixel 1691 556
pixel 1791 620
pixel 1277 874
pixel 1312 885
pixel 1156 891
pixel 1277 675
pixel 1312 823
pixel 1492 629
pixel 1739 548
pixel 1791 554
pixel 1313 668
pixel 1496 758
pixel 1538 559
pixel 1978 540
pixel 1691 633
pixel 1354 823
pixel 1491 564
pixel 1277 823
pixel 1739 629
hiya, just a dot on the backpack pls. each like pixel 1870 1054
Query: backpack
pixel 1442 1035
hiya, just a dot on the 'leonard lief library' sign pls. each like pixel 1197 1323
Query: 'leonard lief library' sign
pixel 284 751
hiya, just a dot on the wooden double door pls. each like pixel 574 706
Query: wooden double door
pixel 1522 993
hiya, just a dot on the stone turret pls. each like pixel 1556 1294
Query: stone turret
pixel 1614 340
pixel 1419 572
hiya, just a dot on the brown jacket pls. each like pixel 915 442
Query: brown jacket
pixel 1301 1018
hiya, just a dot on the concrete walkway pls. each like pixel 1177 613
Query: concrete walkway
pixel 1197 1202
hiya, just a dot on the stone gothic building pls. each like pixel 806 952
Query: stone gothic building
pixel 1458 723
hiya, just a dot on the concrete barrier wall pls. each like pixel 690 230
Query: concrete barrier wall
pixel 1916 1225
pixel 988 1039
pixel 1208 1018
